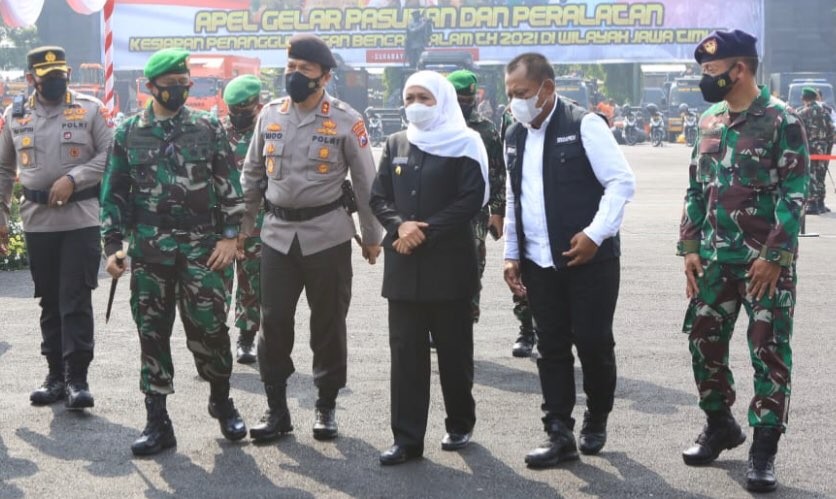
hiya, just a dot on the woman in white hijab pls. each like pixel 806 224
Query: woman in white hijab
pixel 430 183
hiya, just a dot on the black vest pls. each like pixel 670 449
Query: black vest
pixel 571 190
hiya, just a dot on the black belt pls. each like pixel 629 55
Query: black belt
pixel 302 214
pixel 42 197
pixel 192 223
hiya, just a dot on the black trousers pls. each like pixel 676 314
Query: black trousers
pixel 326 279
pixel 574 306
pixel 65 270
pixel 451 326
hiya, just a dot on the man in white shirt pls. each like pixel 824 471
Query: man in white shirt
pixel 568 184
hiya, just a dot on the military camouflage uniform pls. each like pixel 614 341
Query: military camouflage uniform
pixel 248 270
pixel 169 186
pixel 496 202
pixel 748 183
pixel 819 127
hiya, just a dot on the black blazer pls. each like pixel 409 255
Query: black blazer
pixel 444 192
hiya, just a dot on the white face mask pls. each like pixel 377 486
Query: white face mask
pixel 525 110
pixel 420 115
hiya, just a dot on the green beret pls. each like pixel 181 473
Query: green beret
pixel 463 81
pixel 311 48
pixel 166 61
pixel 242 89
pixel 809 93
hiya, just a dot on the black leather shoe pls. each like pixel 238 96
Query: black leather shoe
pixel 559 447
pixel 52 390
pixel 158 434
pixel 593 434
pixel 276 421
pixel 399 454
pixel 455 441
pixel 78 396
pixel 232 425
pixel 760 471
pixel 525 343
pixel 246 352
pixel 325 424
pixel 721 432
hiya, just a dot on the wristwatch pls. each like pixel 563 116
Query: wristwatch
pixel 230 232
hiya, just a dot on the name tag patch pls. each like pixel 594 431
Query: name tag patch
pixel 400 160
pixel 567 139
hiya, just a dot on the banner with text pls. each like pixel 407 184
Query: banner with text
pixel 374 32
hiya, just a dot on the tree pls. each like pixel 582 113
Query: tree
pixel 15 43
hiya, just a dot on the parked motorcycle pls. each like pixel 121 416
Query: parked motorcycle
pixel 689 127
pixel 376 136
pixel 657 130
pixel 631 132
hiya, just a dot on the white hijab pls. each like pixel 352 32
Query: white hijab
pixel 448 135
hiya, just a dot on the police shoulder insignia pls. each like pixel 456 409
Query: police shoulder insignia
pixel 285 106
pixel 107 116
pixel 359 130
pixel 325 108
pixel 274 127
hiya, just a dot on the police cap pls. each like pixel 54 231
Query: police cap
pixel 311 48
pixel 726 44
pixel 42 60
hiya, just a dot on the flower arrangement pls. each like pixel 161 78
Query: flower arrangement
pixel 17 257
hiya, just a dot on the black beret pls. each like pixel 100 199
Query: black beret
pixel 311 48
pixel 725 44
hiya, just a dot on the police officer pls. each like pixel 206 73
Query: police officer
pixel 241 96
pixel 172 188
pixel 490 217
pixel 739 239
pixel 58 140
pixel 303 147
pixel 819 128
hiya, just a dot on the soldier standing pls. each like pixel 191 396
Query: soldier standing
pixel 301 151
pixel 241 95
pixel 739 237
pixel 171 186
pixel 490 217
pixel 819 128
pixel 58 140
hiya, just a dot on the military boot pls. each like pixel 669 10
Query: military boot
pixel 52 389
pixel 760 472
pixel 246 347
pixel 559 447
pixel 78 392
pixel 721 432
pixel 222 408
pixel 158 434
pixel 325 419
pixel 276 421
pixel 525 343
pixel 593 434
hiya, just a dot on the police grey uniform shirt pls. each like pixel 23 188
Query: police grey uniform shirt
pixel 46 143
pixel 305 158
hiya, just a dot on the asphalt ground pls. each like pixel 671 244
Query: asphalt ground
pixel 50 452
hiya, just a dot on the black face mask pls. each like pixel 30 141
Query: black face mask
pixel 172 97
pixel 242 121
pixel 467 109
pixel 715 88
pixel 53 89
pixel 300 87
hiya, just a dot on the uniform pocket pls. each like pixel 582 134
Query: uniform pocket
pixel 754 165
pixel 25 152
pixel 323 163
pixel 75 150
pixel 273 152
pixel 710 150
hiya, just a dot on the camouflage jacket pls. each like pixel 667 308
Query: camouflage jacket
pixel 240 143
pixel 180 169
pixel 496 161
pixel 817 123
pixel 748 183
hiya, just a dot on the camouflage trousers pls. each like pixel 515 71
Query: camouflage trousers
pixel 202 298
pixel 248 294
pixel 818 174
pixel 480 230
pixel 709 322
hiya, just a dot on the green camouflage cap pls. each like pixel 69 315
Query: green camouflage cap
pixel 242 89
pixel 166 61
pixel 463 81
pixel 809 93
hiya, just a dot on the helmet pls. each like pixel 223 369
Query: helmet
pixel 683 108
pixel 651 108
